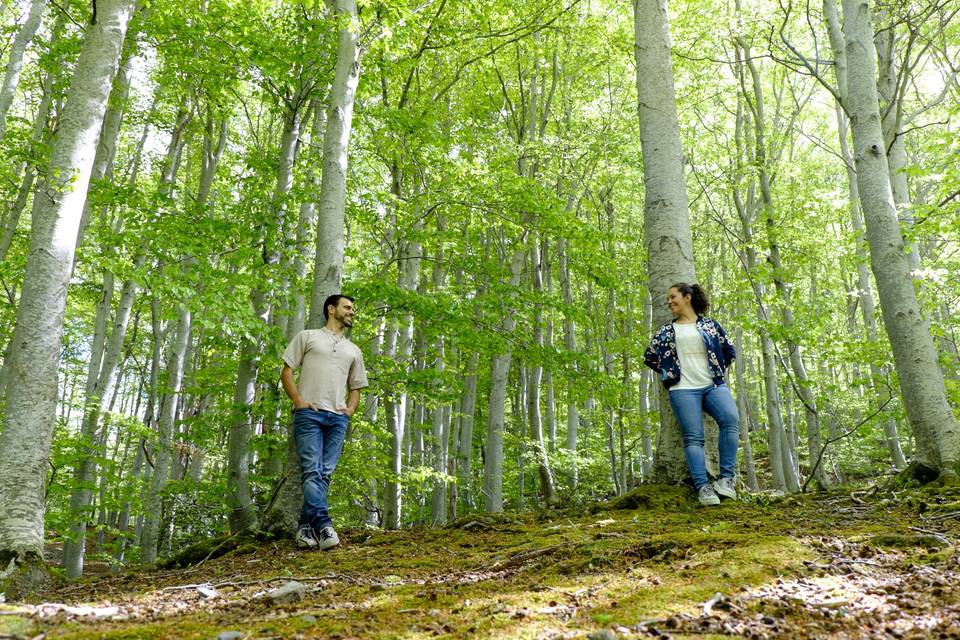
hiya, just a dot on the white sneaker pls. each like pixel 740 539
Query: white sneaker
pixel 306 539
pixel 707 496
pixel 724 487
pixel 328 538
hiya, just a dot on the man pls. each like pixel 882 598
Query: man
pixel 329 363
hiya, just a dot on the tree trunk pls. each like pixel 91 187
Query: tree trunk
pixel 547 488
pixel 865 289
pixel 801 384
pixel 32 389
pixel 570 344
pixel 41 133
pixel 891 107
pixel 921 381
pixel 164 449
pixel 465 446
pixel 11 76
pixel 499 377
pixel 328 269
pixel 666 212
pixel 745 418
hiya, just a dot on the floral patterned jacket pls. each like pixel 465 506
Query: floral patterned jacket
pixel 661 355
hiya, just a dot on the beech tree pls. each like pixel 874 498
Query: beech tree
pixel 34 357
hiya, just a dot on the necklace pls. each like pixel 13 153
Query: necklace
pixel 336 339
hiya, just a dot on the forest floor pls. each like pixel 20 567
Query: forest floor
pixel 873 564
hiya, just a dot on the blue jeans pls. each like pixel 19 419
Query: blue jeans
pixel 319 436
pixel 689 405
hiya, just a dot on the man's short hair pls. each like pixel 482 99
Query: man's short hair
pixel 333 300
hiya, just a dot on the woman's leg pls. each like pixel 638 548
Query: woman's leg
pixel 719 403
pixel 688 407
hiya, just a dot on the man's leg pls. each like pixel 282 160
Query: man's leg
pixel 718 402
pixel 688 407
pixel 334 432
pixel 308 435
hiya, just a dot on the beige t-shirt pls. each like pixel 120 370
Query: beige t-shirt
pixel 328 365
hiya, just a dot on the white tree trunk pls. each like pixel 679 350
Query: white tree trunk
pixel 468 403
pixel 496 410
pixel 110 132
pixel 328 269
pixel 305 225
pixel 889 88
pixel 11 76
pixel 921 381
pixel 868 307
pixel 399 343
pixel 666 210
pixel 163 452
pixel 29 171
pixel 547 487
pixel 570 343
pixel 32 390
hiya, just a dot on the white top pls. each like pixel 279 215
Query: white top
pixel 692 353
pixel 328 364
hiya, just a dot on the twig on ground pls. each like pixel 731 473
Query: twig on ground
pixel 711 603
pixel 573 596
pixel 941 516
pixel 519 558
pixel 939 536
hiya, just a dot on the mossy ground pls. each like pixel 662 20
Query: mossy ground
pixel 656 555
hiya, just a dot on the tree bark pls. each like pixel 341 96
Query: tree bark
pixel 32 390
pixel 499 377
pixel 164 448
pixel 328 269
pixel 666 211
pixel 11 75
pixel 868 307
pixel 918 369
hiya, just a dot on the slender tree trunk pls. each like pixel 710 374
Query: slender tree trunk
pixel 465 448
pixel 891 123
pixel 547 488
pixel 801 385
pixel 570 344
pixel 243 515
pixel 440 429
pixel 41 133
pixel 746 422
pixel 11 76
pixel 32 389
pixel 400 343
pixel 112 119
pixel 548 385
pixel 499 377
pixel 164 449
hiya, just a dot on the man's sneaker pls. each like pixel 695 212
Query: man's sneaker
pixel 306 539
pixel 328 538
pixel 707 495
pixel 724 487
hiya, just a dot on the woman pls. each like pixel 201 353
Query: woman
pixel 692 354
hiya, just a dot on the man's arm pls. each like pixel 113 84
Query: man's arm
pixel 353 401
pixel 286 379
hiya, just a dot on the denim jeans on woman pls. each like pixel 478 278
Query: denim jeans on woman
pixel 689 405
pixel 319 436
